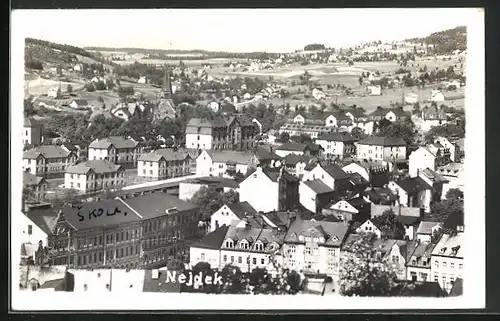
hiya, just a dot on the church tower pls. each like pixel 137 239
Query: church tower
pixel 167 85
pixel 165 107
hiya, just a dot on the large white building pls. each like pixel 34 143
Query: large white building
pixel 94 175
pixel 381 148
pixel 337 145
pixel 116 149
pixel 164 163
pixel 32 132
pixel 447 260
pixel 225 163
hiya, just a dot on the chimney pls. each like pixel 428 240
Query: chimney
pixel 422 213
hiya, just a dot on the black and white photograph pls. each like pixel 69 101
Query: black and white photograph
pixel 178 159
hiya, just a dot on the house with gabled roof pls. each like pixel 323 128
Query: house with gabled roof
pixel 315 195
pixel 419 263
pixel 48 161
pixel 208 249
pixel 314 246
pixel 232 215
pixel 249 247
pixel 116 149
pixel 395 253
pixel 397 114
pixel 431 156
pixel 347 210
pixel 447 260
pixel 94 175
pixel 391 149
pixel 331 175
pixel 79 104
pixel 270 189
pixel 427 231
pixel 337 144
pixel 32 131
pixel 454 173
pixel 296 164
pixel 413 192
pixel 164 163
pixel 298 149
pixel 36 185
pixel 225 163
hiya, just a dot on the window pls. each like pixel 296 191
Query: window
pixel 444 280
pixel 254 261
pixel 224 258
pixel 30 229
pixel 460 266
pixel 444 264
pixel 395 259
pixel 262 261
pixel 240 259
pixel 436 278
pixel 452 265
pixel 85 287
pixel 436 264
pixel 203 257
pixel 423 277
pixel 308 250
pixel 232 259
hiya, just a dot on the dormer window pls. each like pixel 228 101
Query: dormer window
pixel 244 245
pixel 335 239
pixel 229 244
pixel 301 238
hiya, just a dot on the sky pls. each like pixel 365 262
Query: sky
pixel 234 30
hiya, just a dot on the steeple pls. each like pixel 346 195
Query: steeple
pixel 167 85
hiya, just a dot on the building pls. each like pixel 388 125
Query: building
pixel 428 231
pixel 48 161
pixel 297 164
pixel 331 175
pixel 315 195
pixel 296 149
pixel 437 96
pixel 390 149
pixel 314 246
pixel 396 114
pixel 394 253
pixel 208 249
pixel 34 186
pixel 80 104
pixel 431 156
pixel 430 117
pixel 419 264
pixel 454 173
pixel 37 223
pixel 31 238
pixel 447 260
pixel 337 145
pixel 116 149
pixel 187 188
pixel 317 124
pixel 231 215
pixel 355 209
pixel 270 189
pixel 360 119
pixel 32 132
pixel 225 132
pixel 164 163
pixel 374 90
pixel 94 175
pixel 452 146
pixel 225 163
pixel 144 231
pixel 369 227
pixel 413 192
pixel 54 92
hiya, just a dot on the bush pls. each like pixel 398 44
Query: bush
pixel 90 87
pixel 33 64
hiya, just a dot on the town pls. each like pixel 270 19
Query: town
pixel 328 171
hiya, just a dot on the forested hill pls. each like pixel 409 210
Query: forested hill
pixel 446 41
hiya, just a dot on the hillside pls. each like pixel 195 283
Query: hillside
pixel 40 52
pixel 446 41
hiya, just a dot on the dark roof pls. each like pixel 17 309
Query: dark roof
pixel 160 284
pixel 337 137
pixel 413 185
pixel 31 122
pixel 70 146
pixel 275 173
pixel 57 284
pixel 357 179
pixel 228 108
pixel 358 201
pixel 30 179
pixel 44 218
pixel 264 154
pixel 293 159
pixel 335 171
pixel 213 240
pixel 116 141
pixel 155 204
pixel 382 194
pixel 454 220
pixel 407 220
pixel 48 151
pixel 314 147
pixel 98 166
pixel 382 141
pixel 298 147
pixel 457 289
pixel 333 232
pixel 125 214
pixel 379 179
pixel 356 112
pixel 318 186
pixel 81 102
pixel 240 209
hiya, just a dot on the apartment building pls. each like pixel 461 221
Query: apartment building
pixel 337 145
pixel 390 149
pixel 48 161
pixel 164 163
pixel 94 175
pixel 35 186
pixel 116 149
pixel 447 260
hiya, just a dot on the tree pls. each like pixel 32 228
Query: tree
pixel 284 137
pixel 441 210
pixel 360 80
pixel 446 130
pixel 233 281
pixel 358 133
pixel 455 194
pixel 100 85
pixel 69 89
pixel 67 197
pixel 362 273
pixel 405 130
pixel 389 224
pixel 90 87
pixel 210 200
pixel 100 99
pixel 416 109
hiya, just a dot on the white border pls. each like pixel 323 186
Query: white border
pixel 474 270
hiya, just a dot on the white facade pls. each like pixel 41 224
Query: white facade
pixel 254 187
pixel 30 232
pixel 319 173
pixel 448 145
pixel 356 168
pixel 223 216
pixel 445 266
pixel 437 96
pixel 421 159
pixel 198 141
pixel 307 197
pixel 332 148
pixel 92 181
pixel 210 256
pixel 423 197
pixel 312 257
pixel 377 152
pixel 54 92
pixel 369 227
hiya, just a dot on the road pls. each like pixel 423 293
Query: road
pixel 164 181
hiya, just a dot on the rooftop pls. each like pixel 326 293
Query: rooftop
pixel 116 141
pixel 413 185
pixel 47 151
pixel 382 141
pixel 337 137
pixel 98 166
pixel 333 232
pixel 213 240
pixel 30 179
pixel 318 186
pixel 450 245
pixel 426 227
pixel 241 209
pixel 335 171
